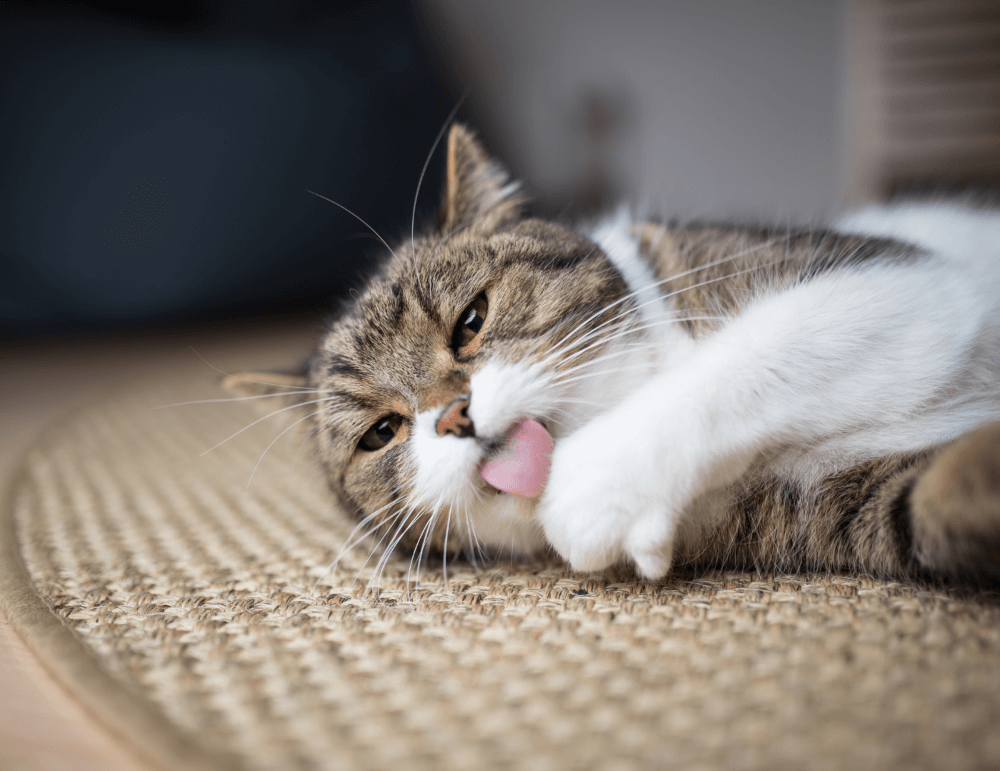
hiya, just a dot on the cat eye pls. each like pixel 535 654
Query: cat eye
pixel 470 322
pixel 379 435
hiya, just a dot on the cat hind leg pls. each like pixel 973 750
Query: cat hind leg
pixel 955 509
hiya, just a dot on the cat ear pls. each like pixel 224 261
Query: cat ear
pixel 283 388
pixel 476 186
pixel 263 383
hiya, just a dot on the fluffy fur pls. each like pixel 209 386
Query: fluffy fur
pixel 717 395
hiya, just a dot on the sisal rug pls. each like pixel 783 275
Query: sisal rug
pixel 196 617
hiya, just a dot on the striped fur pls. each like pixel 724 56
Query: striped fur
pixel 718 395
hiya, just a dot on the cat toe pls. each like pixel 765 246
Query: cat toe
pixel 650 545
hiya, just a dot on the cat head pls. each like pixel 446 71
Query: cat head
pixel 492 318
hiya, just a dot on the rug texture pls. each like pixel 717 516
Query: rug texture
pixel 196 616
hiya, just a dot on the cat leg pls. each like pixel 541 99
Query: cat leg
pixel 859 351
pixel 932 512
pixel 955 507
pixel 857 519
pixel 616 493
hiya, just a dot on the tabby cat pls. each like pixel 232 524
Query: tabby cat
pixel 654 395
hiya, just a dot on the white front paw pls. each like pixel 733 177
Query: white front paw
pixel 604 502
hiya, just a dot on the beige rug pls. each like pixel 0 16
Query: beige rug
pixel 198 620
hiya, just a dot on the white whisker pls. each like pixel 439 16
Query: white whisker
pixel 243 398
pixel 309 436
pixel 413 516
pixel 641 305
pixel 416 196
pixel 402 513
pixel 332 567
pixel 424 537
pixel 660 282
pixel 270 415
pixel 300 420
pixel 341 206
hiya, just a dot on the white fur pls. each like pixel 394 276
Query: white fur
pixel 860 362
pixel 503 394
pixel 447 481
pixel 445 465
pixel 876 359
pixel 615 238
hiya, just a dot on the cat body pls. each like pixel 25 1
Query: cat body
pixel 828 363
pixel 714 396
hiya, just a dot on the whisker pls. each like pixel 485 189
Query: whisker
pixel 587 402
pixel 374 528
pixel 404 513
pixel 341 206
pixel 503 537
pixel 425 538
pixel 350 545
pixel 387 554
pixel 447 527
pixel 631 348
pixel 474 541
pixel 242 398
pixel 270 415
pixel 659 299
pixel 416 196
pixel 630 368
pixel 412 515
pixel 307 417
pixel 309 436
pixel 628 331
pixel 672 277
pixel 423 549
pixel 467 550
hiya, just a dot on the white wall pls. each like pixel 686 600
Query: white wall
pixel 730 108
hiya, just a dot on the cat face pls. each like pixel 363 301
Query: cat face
pixel 468 330
pixel 481 340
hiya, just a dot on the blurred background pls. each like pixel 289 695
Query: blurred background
pixel 155 160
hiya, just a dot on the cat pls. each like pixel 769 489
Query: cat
pixel 662 395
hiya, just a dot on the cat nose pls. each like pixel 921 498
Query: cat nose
pixel 455 419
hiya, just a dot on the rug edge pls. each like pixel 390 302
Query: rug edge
pixel 130 719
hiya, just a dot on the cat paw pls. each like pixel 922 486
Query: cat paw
pixel 650 545
pixel 601 505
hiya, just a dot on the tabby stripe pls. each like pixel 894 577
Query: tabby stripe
pixel 899 521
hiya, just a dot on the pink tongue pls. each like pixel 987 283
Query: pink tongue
pixel 522 465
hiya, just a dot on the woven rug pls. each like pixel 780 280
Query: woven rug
pixel 196 617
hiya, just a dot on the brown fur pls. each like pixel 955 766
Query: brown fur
pixel 856 520
pixel 956 509
pixel 933 513
pixel 389 353
pixel 714 270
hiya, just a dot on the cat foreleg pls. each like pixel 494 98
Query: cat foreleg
pixel 837 355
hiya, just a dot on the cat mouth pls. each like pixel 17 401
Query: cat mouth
pixel 520 465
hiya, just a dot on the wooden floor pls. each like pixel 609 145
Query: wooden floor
pixel 41 726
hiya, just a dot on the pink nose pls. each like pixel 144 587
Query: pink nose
pixel 455 419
